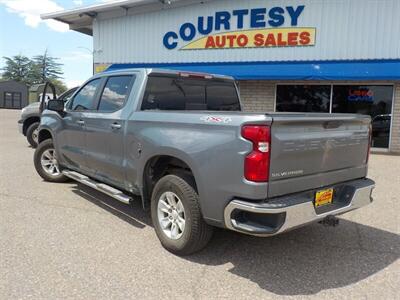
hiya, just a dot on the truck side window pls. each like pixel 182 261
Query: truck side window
pixel 85 98
pixel 115 93
pixel 174 93
pixel 163 93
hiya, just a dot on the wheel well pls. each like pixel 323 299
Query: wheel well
pixel 28 122
pixel 44 135
pixel 160 166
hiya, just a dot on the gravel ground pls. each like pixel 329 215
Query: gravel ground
pixel 68 241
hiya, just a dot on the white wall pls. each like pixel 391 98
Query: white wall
pixel 346 29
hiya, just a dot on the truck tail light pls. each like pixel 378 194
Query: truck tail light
pixel 256 165
pixel 369 143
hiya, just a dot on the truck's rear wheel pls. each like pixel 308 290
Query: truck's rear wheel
pixel 176 216
pixel 32 134
pixel 46 164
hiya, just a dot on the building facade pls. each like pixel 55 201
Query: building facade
pixel 13 94
pixel 288 56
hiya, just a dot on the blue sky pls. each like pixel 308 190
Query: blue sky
pixel 22 32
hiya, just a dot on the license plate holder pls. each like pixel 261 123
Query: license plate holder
pixel 323 197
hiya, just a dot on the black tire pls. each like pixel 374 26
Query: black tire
pixel 197 233
pixel 30 134
pixel 42 148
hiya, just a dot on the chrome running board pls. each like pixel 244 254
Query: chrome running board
pixel 101 187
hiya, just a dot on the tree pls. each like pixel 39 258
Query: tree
pixel 39 69
pixel 17 68
pixel 45 68
pixel 60 86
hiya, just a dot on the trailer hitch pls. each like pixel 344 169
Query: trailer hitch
pixel 330 221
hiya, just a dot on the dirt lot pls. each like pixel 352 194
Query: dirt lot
pixel 68 241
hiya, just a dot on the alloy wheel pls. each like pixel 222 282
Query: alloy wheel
pixel 171 215
pixel 49 162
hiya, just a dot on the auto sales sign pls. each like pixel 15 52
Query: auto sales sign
pixel 243 28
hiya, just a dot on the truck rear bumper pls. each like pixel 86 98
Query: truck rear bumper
pixel 275 216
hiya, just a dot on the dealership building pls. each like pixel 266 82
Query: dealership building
pixel 332 56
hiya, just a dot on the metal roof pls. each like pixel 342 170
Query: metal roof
pixel 81 19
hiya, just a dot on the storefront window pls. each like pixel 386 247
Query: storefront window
pixel 373 100
pixel 303 98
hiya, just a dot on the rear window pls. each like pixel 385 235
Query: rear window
pixel 167 93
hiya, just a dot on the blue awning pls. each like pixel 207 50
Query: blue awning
pixel 317 70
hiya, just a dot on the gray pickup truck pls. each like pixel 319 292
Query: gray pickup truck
pixel 180 141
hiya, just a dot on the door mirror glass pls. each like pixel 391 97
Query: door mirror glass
pixel 56 105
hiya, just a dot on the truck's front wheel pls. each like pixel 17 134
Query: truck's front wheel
pixel 177 218
pixel 46 164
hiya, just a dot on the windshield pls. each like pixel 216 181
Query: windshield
pixel 67 95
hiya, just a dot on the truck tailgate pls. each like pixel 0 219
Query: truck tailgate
pixel 315 150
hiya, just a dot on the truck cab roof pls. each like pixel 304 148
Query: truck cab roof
pixel 162 71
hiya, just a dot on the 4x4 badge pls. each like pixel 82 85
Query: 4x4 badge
pixel 216 119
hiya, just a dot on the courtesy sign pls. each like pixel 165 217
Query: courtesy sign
pixel 243 28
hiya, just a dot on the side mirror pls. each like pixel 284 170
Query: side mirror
pixel 56 105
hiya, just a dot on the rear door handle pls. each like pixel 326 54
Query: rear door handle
pixel 116 126
pixel 80 122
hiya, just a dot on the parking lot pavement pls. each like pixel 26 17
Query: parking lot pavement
pixel 68 241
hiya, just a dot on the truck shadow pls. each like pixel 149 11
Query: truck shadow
pixel 302 262
pixel 134 214
pixel 305 261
